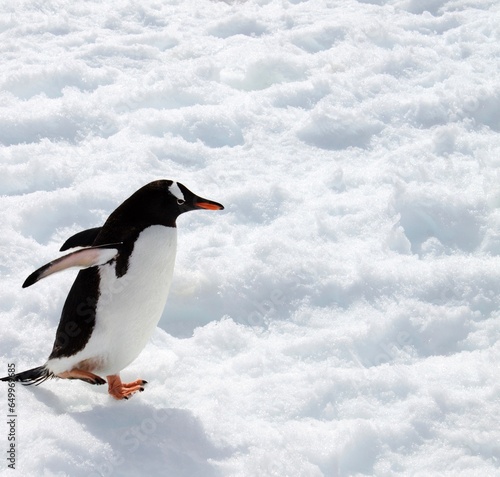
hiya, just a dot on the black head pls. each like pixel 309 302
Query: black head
pixel 157 203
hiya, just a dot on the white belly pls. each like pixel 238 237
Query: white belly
pixel 129 307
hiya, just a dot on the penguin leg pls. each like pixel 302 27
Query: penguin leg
pixel 120 390
pixel 83 375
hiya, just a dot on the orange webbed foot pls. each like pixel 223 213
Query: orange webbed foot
pixel 120 390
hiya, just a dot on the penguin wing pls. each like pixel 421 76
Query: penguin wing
pixel 85 258
pixel 81 239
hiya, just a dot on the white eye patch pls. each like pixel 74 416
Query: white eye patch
pixel 175 190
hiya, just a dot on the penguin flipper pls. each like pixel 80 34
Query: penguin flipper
pixel 85 258
pixel 81 239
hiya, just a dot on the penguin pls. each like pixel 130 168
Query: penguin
pixel 119 294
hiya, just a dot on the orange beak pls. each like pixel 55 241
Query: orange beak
pixel 209 205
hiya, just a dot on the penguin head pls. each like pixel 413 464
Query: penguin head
pixel 159 202
pixel 184 200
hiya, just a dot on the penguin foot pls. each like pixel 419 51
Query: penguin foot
pixel 120 390
pixel 90 378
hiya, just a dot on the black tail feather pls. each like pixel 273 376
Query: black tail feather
pixel 32 376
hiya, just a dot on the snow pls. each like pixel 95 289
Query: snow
pixel 341 316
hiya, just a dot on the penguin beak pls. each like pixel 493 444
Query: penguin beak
pixel 207 204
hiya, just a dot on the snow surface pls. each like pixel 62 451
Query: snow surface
pixel 341 316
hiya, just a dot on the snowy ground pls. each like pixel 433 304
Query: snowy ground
pixel 341 316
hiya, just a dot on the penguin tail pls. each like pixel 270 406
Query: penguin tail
pixel 32 376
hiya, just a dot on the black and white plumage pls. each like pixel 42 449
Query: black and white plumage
pixel 119 295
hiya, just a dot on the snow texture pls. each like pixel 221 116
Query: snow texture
pixel 341 316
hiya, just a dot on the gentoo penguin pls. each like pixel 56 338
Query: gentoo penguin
pixel 118 297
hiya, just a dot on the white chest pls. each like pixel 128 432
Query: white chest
pixel 144 288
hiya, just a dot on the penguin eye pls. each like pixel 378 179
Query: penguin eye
pixel 180 201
